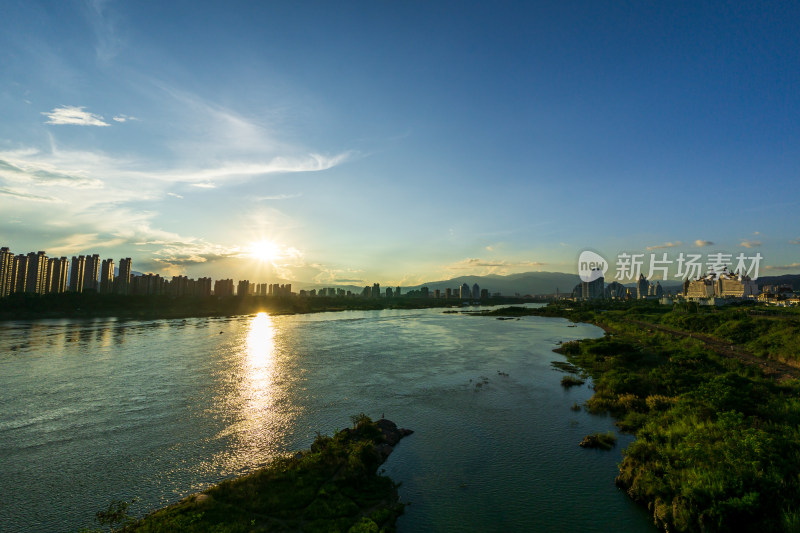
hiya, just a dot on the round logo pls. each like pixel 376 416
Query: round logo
pixel 591 266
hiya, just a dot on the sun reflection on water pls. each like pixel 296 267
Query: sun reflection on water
pixel 261 409
pixel 260 352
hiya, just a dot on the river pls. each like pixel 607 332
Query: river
pixel 96 410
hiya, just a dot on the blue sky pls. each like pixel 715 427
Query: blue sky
pixel 398 141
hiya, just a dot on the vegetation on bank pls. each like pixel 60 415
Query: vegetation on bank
pixel 333 487
pixel 571 381
pixel 604 441
pixel 717 443
pixel 91 304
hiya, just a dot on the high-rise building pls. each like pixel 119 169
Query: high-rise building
pixel 243 288
pixel 77 267
pixel 397 291
pixel 594 289
pixel 658 290
pixel 107 276
pixel 20 273
pixel 58 280
pixel 204 287
pixel 122 283
pixel 465 292
pixel 642 286
pixel 37 273
pixel 476 292
pixel 91 272
pixel 376 290
pixel 6 266
pixel 223 287
pixel 148 285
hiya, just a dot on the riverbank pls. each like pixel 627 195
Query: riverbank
pixel 332 487
pixel 717 442
pixel 93 305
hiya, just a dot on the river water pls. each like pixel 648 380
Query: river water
pixel 96 410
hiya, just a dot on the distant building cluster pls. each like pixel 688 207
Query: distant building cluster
pixel 36 273
pixel 711 289
pixel 460 293
pixel 722 285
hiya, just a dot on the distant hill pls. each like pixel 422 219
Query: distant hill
pixel 534 283
pixel 524 283
pixel 786 279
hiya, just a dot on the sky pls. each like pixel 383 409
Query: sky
pixel 398 142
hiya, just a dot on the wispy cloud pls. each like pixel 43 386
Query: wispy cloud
pixel 12 168
pixel 278 197
pixel 700 244
pixel 204 185
pixel 793 266
pixel 26 196
pixel 123 118
pixel 174 195
pixel 484 266
pixel 75 116
pixel 104 22
pixel 796 241
pixel 750 244
pixel 665 245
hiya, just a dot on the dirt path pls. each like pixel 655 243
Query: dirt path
pixel 772 369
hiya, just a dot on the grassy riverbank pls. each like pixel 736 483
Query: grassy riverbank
pixel 333 487
pixel 717 441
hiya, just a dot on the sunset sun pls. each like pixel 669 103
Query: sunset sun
pixel 264 251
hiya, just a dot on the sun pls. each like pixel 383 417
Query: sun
pixel 264 251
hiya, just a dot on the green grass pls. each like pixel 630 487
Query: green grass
pixel 717 443
pixel 331 487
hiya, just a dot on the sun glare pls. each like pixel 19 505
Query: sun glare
pixel 264 251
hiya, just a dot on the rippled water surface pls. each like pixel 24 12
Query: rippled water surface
pixel 97 410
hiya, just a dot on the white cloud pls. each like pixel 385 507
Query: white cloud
pixel 278 197
pixel 665 245
pixel 700 243
pixel 96 198
pixel 75 116
pixel 750 244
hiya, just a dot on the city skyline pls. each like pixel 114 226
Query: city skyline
pixel 36 273
pixel 398 142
